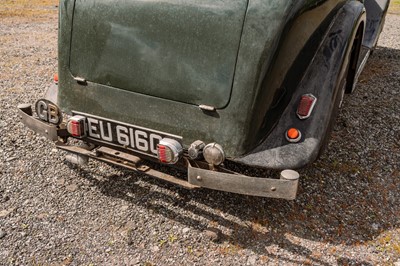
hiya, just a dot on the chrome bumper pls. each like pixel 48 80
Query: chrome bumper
pixel 284 188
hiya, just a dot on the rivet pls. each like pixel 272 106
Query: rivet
pixel 273 189
pixel 198 178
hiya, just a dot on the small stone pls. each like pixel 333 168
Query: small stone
pixel 5 213
pixel 2 234
pixel 185 230
pixel 129 241
pixel 198 254
pixel 42 216
pixel 214 234
pixel 252 260
pixel 72 188
pixel 11 159
pixel 60 182
pixel 5 199
pixel 124 208
pixel 375 226
pixel 397 263
pixel 134 261
pixel 155 249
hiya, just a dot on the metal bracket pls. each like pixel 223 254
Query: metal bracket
pixel 42 128
pixel 284 188
pixel 125 160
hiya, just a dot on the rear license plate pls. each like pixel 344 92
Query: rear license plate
pixel 139 139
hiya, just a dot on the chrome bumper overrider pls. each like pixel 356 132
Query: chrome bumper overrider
pixel 285 187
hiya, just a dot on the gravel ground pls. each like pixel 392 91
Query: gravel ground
pixel 51 213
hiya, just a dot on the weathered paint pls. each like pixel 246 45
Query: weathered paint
pixel 179 50
pixel 278 42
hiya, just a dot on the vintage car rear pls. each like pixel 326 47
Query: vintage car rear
pixel 199 83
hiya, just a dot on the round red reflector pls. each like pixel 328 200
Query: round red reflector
pixel 55 78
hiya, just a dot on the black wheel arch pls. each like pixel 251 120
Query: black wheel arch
pixel 321 80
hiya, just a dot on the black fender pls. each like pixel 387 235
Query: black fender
pixel 321 80
pixel 376 13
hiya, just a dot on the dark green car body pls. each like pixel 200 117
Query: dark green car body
pixel 153 63
pixel 230 74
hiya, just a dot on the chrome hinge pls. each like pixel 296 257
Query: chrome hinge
pixel 207 108
pixel 80 80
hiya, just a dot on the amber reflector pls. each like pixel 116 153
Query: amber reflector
pixel 293 133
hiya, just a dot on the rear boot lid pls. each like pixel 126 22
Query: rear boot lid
pixel 182 50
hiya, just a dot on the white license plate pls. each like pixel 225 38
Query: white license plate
pixel 139 139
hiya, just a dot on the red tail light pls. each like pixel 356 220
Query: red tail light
pixel 164 153
pixel 55 78
pixel 169 151
pixel 76 126
pixel 306 106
